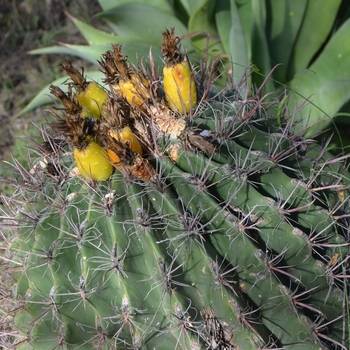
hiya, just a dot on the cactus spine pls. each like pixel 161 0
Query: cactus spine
pixel 222 230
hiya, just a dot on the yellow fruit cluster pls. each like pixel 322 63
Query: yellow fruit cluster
pixel 114 129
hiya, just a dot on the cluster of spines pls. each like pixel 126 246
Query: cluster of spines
pixel 232 251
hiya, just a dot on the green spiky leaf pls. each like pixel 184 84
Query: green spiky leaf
pixel 148 21
pixel 44 97
pixel 326 83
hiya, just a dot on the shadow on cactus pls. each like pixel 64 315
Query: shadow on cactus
pixel 168 214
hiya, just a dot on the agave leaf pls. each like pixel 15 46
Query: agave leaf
pixel 223 23
pixel 56 49
pixel 202 22
pixel 233 35
pixel 107 4
pixel 313 33
pixel 238 46
pixel 283 22
pixel 185 5
pixel 94 36
pixel 195 5
pixel 328 99
pixel 327 82
pixel 202 18
pixel 89 53
pixel 134 50
pixel 44 97
pixel 161 4
pixel 259 46
pixel 244 9
pixel 138 51
pixel 228 19
pixel 147 22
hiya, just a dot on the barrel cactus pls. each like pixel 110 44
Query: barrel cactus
pixel 220 228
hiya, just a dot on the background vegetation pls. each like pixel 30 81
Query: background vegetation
pixel 24 26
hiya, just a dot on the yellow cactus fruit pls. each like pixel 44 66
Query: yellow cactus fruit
pixel 134 90
pixel 127 138
pixel 132 164
pixel 129 93
pixel 93 162
pixel 124 79
pixel 125 153
pixel 90 96
pixel 179 83
pixel 114 158
pixel 180 87
pixel 91 100
pixel 85 113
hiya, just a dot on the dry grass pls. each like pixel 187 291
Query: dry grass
pixel 28 25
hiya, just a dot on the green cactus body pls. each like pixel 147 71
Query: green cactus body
pixel 231 250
